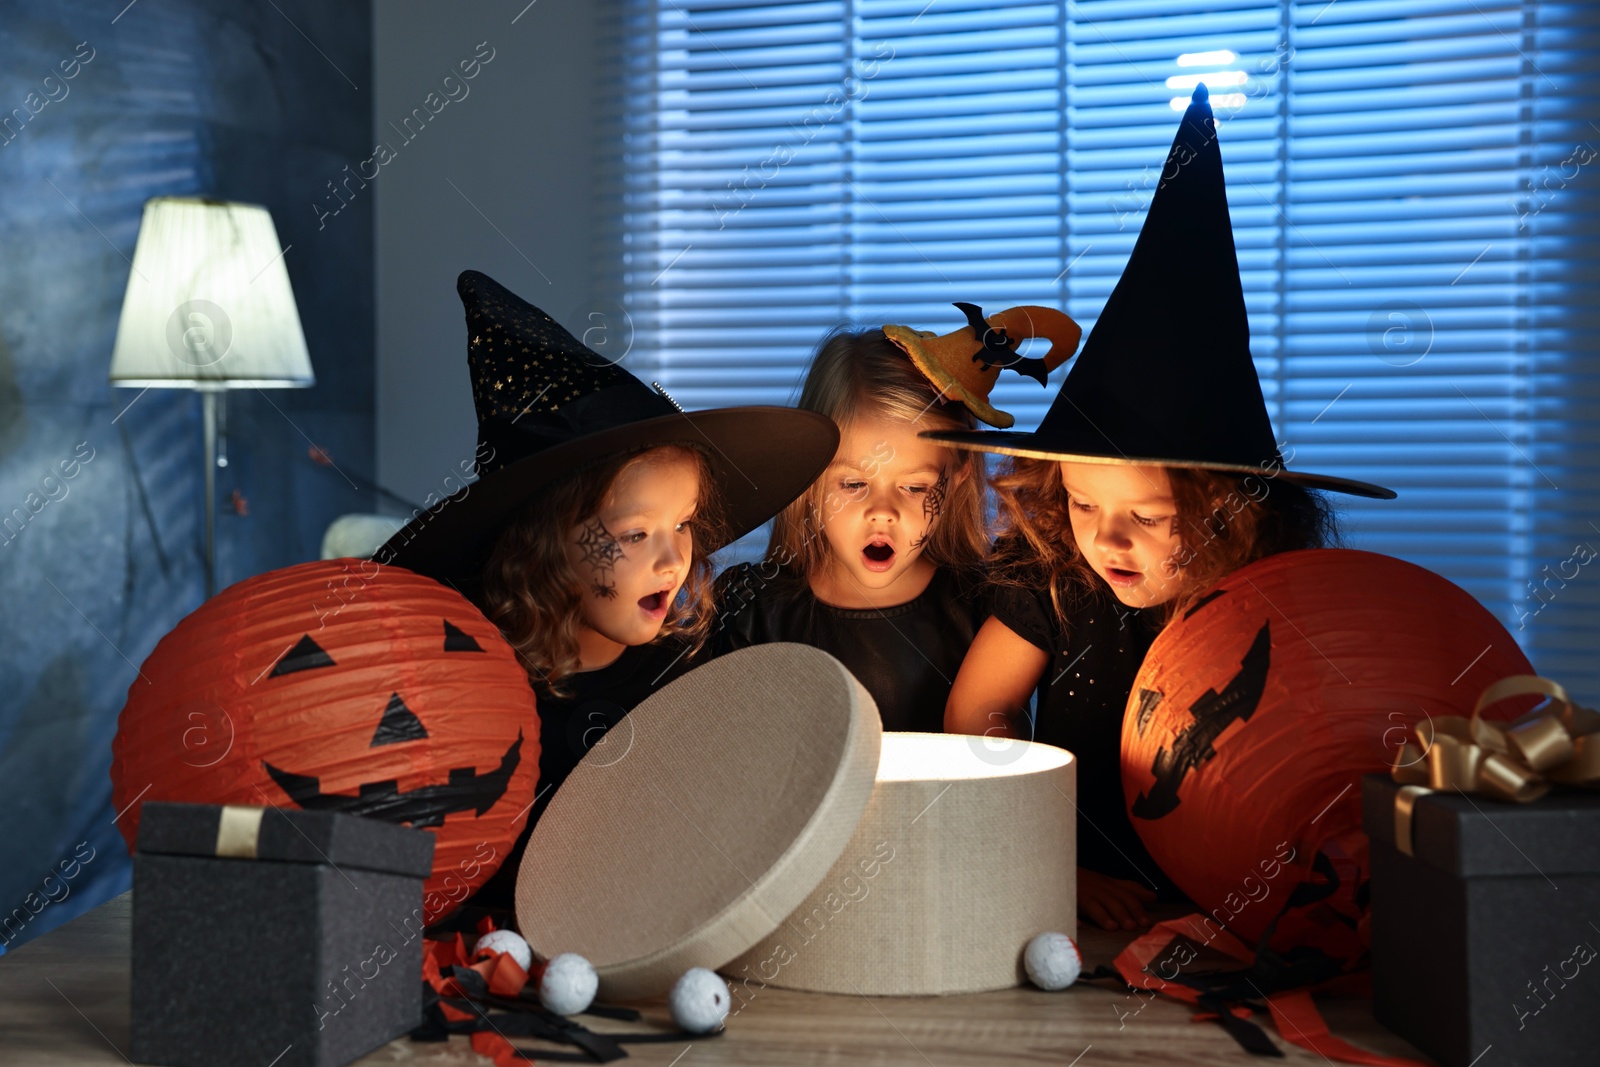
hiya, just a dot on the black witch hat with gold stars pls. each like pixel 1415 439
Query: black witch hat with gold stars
pixel 548 405
pixel 1166 378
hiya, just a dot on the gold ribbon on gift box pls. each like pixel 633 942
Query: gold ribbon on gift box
pixel 239 831
pixel 1516 761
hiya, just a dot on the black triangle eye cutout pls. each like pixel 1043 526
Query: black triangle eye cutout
pixel 399 723
pixel 304 656
pixel 458 640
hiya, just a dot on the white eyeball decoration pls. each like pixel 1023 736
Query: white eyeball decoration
pixel 568 984
pixel 508 941
pixel 700 1001
pixel 1052 961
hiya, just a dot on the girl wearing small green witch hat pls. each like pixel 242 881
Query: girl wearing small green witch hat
pixel 878 562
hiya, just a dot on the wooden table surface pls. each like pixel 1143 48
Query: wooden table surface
pixel 64 1000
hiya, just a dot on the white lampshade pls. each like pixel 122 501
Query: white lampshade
pixel 208 303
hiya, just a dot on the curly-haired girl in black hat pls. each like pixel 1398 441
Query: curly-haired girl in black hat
pixel 586 538
pixel 1154 474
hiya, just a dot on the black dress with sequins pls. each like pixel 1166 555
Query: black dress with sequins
pixel 1095 652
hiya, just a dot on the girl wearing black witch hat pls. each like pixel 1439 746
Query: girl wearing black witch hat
pixel 586 538
pixel 1154 474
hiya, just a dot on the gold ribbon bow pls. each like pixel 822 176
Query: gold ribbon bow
pixel 1517 761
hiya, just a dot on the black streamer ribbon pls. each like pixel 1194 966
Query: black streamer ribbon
pixel 525 1017
pixel 1250 1037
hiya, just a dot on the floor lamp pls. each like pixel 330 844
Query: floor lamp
pixel 209 307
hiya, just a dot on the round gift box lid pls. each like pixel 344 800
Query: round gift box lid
pixel 702 819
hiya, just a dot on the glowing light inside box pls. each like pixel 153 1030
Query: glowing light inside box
pixel 1180 103
pixel 1206 59
pixel 1213 79
pixel 909 757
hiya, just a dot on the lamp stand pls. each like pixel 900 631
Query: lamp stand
pixel 209 400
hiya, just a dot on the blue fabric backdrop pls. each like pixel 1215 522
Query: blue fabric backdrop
pixel 262 103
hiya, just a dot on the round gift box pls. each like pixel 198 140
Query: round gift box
pixel 702 818
pixel 967 849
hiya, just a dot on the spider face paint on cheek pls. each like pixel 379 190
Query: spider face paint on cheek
pixel 932 506
pixel 600 554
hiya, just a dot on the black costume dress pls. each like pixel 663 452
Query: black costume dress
pixel 906 656
pixel 571 725
pixel 1094 655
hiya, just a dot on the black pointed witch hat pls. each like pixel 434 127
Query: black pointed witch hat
pixel 1166 378
pixel 548 405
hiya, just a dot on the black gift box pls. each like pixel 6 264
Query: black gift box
pixel 267 936
pixel 1485 937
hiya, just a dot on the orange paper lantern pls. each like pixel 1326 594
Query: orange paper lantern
pixel 1255 715
pixel 340 686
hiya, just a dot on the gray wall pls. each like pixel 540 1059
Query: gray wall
pixel 244 102
pixel 499 180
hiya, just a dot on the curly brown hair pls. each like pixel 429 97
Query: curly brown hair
pixel 531 592
pixel 861 373
pixel 1224 521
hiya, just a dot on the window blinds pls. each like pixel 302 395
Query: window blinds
pixel 1412 186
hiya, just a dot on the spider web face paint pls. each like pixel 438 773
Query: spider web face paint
pixel 600 553
pixel 932 506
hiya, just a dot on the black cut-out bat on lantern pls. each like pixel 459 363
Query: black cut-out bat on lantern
pixel 1213 713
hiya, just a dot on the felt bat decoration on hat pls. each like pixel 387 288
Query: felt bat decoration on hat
pixel 965 364
pixel 997 350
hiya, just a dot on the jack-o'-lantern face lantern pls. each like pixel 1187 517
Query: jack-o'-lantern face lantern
pixel 1255 714
pixel 340 686
pixel 424 805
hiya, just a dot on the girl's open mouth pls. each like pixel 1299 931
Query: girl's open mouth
pixel 878 556
pixel 1119 577
pixel 654 605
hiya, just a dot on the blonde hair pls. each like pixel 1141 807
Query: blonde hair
pixel 862 374
pixel 531 592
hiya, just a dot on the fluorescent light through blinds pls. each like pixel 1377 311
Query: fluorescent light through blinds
pixel 1214 79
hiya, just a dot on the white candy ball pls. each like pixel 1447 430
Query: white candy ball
pixel 568 984
pixel 1052 961
pixel 507 941
pixel 700 1001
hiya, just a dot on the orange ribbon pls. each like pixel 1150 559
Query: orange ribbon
pixel 1293 1011
pixel 1516 762
pixel 503 974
